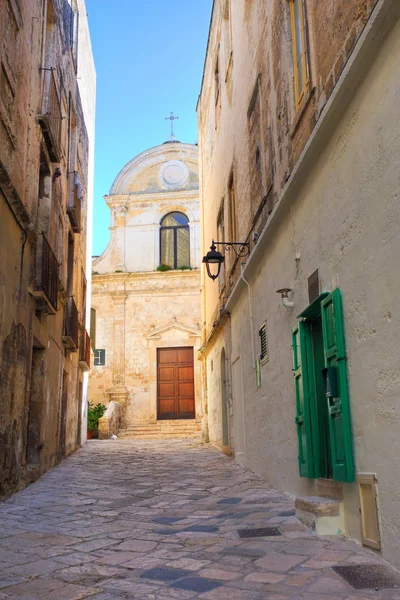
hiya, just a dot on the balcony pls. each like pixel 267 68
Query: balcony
pixel 84 351
pixel 70 336
pixel 50 118
pixel 75 202
pixel 45 289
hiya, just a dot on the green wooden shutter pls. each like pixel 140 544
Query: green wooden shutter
pixel 338 403
pixel 302 420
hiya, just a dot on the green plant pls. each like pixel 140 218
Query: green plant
pixel 95 272
pixel 185 268
pixel 119 271
pixel 163 267
pixel 95 412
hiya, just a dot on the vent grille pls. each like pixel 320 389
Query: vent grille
pixel 261 532
pixel 263 342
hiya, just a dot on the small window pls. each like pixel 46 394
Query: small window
pixel 99 358
pixel 313 286
pixel 232 210
pixel 175 241
pixel 217 81
pixel 226 37
pixel 255 133
pixel 217 90
pixel 299 48
pixel 221 238
pixel 263 343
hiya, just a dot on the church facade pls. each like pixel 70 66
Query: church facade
pixel 146 315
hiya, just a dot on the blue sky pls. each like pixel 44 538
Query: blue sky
pixel 149 57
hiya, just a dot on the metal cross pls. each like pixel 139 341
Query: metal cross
pixel 172 119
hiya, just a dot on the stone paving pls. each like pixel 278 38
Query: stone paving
pixel 159 520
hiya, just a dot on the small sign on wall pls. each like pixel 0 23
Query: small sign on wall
pixel 99 358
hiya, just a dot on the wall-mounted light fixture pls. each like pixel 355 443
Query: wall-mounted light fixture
pixel 213 257
pixel 284 295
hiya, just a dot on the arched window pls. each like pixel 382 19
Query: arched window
pixel 174 241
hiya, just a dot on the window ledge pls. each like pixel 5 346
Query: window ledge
pixel 301 110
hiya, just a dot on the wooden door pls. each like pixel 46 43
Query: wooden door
pixel 175 383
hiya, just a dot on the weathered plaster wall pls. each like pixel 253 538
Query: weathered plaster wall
pixel 224 127
pixel 345 223
pixel 334 203
pixel 32 354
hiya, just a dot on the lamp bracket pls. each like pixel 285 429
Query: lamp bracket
pixel 241 249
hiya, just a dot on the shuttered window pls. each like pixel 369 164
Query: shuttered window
pixel 299 48
pixel 263 342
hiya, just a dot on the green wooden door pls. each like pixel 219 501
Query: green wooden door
pixel 337 389
pixel 303 421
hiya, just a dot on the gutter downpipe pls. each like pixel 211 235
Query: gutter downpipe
pixel 253 357
pixel 250 315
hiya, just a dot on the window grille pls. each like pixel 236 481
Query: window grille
pixel 263 342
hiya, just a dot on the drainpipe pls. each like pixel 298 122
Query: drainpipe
pixel 250 316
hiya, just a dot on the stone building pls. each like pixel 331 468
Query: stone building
pixel 299 139
pixel 146 294
pixel 45 149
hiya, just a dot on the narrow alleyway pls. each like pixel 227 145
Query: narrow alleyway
pixel 160 520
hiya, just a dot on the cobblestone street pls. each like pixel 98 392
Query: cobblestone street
pixel 160 520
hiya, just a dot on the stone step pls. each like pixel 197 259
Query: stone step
pixel 161 428
pixel 168 423
pixel 183 428
pixel 324 515
pixel 158 435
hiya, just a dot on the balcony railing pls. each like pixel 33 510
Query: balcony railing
pixel 71 325
pixel 50 118
pixel 46 276
pixel 84 351
pixel 74 201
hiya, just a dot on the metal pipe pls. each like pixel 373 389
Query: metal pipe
pixel 250 315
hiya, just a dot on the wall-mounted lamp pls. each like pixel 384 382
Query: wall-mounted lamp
pixel 213 257
pixel 284 295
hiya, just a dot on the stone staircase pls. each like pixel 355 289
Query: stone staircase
pixel 185 428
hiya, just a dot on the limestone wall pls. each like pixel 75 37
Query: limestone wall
pixel 137 313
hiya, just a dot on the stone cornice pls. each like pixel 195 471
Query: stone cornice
pixel 146 275
pixel 165 195
pixel 159 283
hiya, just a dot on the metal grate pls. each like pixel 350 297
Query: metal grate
pixel 366 576
pixel 263 342
pixel 261 532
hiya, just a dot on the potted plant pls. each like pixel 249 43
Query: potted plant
pixel 95 412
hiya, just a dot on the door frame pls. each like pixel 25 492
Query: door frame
pixel 157 384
